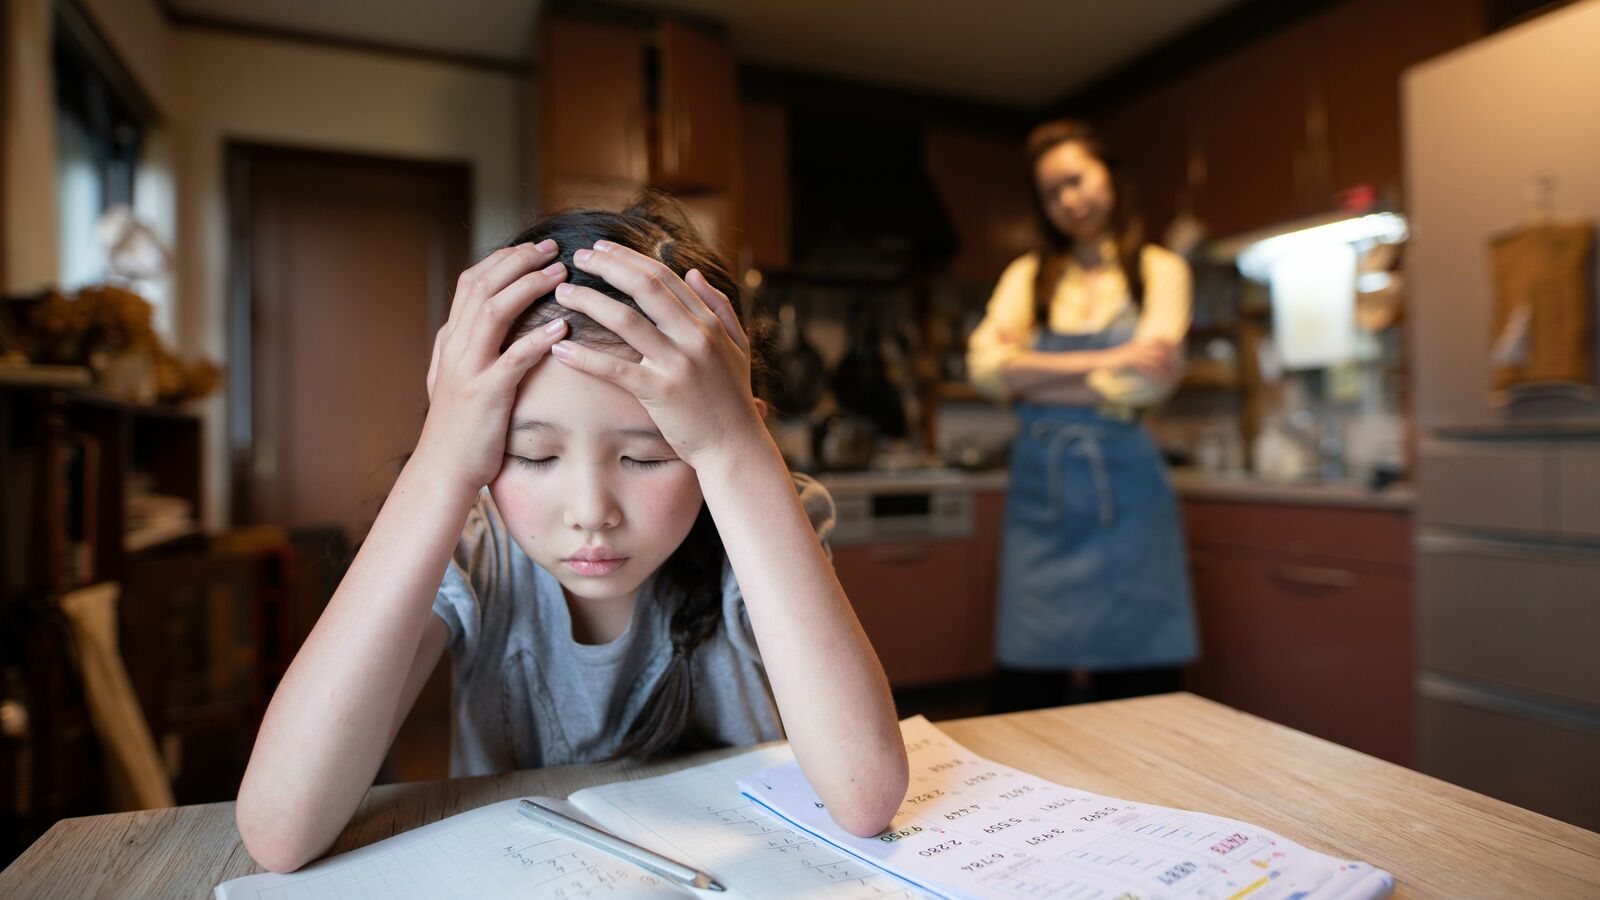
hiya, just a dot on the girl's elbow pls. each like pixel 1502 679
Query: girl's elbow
pixel 273 846
pixel 872 805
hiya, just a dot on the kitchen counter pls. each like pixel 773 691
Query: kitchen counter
pixel 913 481
pixel 1244 488
pixel 1189 483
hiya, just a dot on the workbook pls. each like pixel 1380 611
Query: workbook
pixel 968 827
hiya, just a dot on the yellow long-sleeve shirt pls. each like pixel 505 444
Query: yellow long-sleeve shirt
pixel 1084 303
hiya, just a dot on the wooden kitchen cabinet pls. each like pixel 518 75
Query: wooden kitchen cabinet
pixel 1253 111
pixel 1366 46
pixel 697 111
pixel 1274 130
pixel 764 186
pixel 928 606
pixel 1306 618
pixel 1161 149
pixel 983 182
pixel 592 117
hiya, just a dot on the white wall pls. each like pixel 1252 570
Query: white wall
pixel 216 86
pixel 28 133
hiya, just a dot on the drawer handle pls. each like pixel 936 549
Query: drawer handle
pixel 1310 576
pixel 901 554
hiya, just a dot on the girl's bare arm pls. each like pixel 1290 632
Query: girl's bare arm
pixel 339 705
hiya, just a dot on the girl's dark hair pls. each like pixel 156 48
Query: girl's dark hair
pixel 691 578
pixel 1124 223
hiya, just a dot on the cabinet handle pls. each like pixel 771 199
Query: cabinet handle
pixel 900 554
pixel 1310 576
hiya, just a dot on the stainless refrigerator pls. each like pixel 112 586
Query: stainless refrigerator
pixel 1501 135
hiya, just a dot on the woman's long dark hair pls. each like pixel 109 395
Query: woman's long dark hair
pixel 691 578
pixel 1124 224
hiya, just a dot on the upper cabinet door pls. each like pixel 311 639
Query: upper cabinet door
pixel 697 133
pixel 1367 45
pixel 1255 113
pixel 593 120
pixel 1160 152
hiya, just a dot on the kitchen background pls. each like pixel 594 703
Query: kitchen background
pixel 229 224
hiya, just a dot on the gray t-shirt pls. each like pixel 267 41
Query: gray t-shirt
pixel 526 695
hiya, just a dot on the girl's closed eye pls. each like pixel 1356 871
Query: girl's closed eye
pixel 543 462
pixel 631 462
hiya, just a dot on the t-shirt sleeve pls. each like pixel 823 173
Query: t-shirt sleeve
pixel 469 578
pixel 1165 316
pixel 818 504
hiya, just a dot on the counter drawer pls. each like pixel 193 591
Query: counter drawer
pixel 1377 537
pixel 1518 616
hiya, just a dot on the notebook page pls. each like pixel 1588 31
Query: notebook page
pixel 970 827
pixel 491 851
pixel 699 817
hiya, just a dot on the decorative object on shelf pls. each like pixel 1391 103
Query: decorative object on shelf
pixel 107 329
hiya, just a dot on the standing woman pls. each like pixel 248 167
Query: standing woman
pixel 1082 335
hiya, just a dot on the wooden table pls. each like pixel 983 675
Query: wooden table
pixel 1178 750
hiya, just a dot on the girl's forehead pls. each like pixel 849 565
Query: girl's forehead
pixel 576 402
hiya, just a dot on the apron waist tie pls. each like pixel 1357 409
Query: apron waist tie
pixel 1063 435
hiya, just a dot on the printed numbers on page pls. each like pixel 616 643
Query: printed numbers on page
pixel 983 862
pixel 939 848
pixel 890 837
pixel 955 814
pixel 1001 825
pixel 1044 837
pixel 1229 844
pixel 1177 873
pixel 925 797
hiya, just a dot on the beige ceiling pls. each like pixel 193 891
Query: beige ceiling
pixel 1016 52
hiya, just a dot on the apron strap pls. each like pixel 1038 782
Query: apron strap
pixel 1062 435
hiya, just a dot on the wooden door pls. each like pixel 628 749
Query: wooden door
pixel 343 269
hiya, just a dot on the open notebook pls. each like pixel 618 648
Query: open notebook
pixel 969 827
pixel 696 816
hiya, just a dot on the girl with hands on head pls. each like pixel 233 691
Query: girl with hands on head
pixel 628 567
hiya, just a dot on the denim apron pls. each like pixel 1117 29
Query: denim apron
pixel 1092 567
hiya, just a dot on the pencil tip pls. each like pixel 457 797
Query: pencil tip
pixel 716 886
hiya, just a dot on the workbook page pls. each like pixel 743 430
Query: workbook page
pixel 699 817
pixel 970 827
pixel 491 851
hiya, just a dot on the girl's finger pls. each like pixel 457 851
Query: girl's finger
pixel 606 366
pixel 628 323
pixel 527 350
pixel 720 306
pixel 652 285
pixel 498 311
pixel 515 264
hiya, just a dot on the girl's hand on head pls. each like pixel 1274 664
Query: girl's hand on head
pixel 471 384
pixel 694 374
